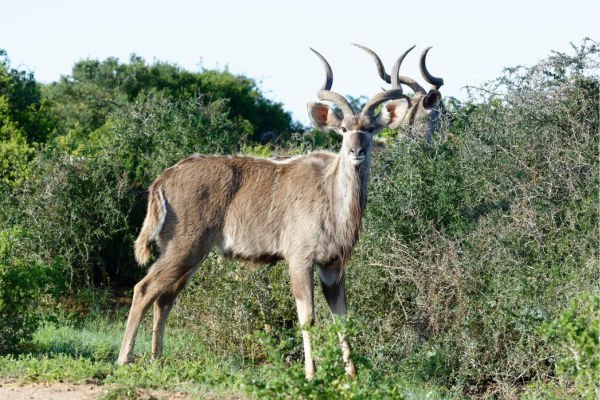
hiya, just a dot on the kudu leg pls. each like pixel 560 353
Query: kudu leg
pixel 162 307
pixel 161 276
pixel 333 284
pixel 301 279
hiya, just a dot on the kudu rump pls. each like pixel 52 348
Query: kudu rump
pixel 305 210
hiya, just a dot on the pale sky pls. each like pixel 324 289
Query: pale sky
pixel 269 40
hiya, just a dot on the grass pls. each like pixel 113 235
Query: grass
pixel 85 353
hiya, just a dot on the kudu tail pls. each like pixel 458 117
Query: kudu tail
pixel 155 218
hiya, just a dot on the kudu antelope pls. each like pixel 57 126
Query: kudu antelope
pixel 422 112
pixel 305 210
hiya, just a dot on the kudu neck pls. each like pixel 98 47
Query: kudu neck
pixel 350 188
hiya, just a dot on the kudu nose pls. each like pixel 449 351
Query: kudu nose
pixel 357 151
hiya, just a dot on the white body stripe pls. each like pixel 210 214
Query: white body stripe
pixel 284 160
pixel 161 222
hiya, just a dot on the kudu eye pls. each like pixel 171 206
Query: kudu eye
pixel 343 129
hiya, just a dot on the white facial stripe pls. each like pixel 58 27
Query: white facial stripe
pixel 373 130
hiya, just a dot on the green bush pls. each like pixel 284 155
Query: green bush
pixel 235 302
pixel 575 333
pixel 24 281
pixel 84 101
pixel 474 242
pixel 280 379
pixel 24 122
pixel 23 111
pixel 15 155
pixel 155 132
pixel 88 209
pixel 259 150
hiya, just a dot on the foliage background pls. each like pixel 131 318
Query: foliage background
pixel 477 270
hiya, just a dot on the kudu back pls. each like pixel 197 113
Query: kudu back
pixel 305 210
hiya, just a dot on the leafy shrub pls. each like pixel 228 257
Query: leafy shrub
pixel 24 121
pixel 84 101
pixel 155 132
pixel 303 142
pixel 277 379
pixel 472 243
pixel 23 282
pixel 576 335
pixel 234 303
pixel 76 209
pixel 15 155
pixel 259 150
pixel 23 111
pixel 88 209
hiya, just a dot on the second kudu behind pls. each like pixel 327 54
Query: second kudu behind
pixel 305 210
pixel 423 112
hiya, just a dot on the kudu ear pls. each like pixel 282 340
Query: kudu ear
pixel 393 112
pixel 323 116
pixel 432 99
